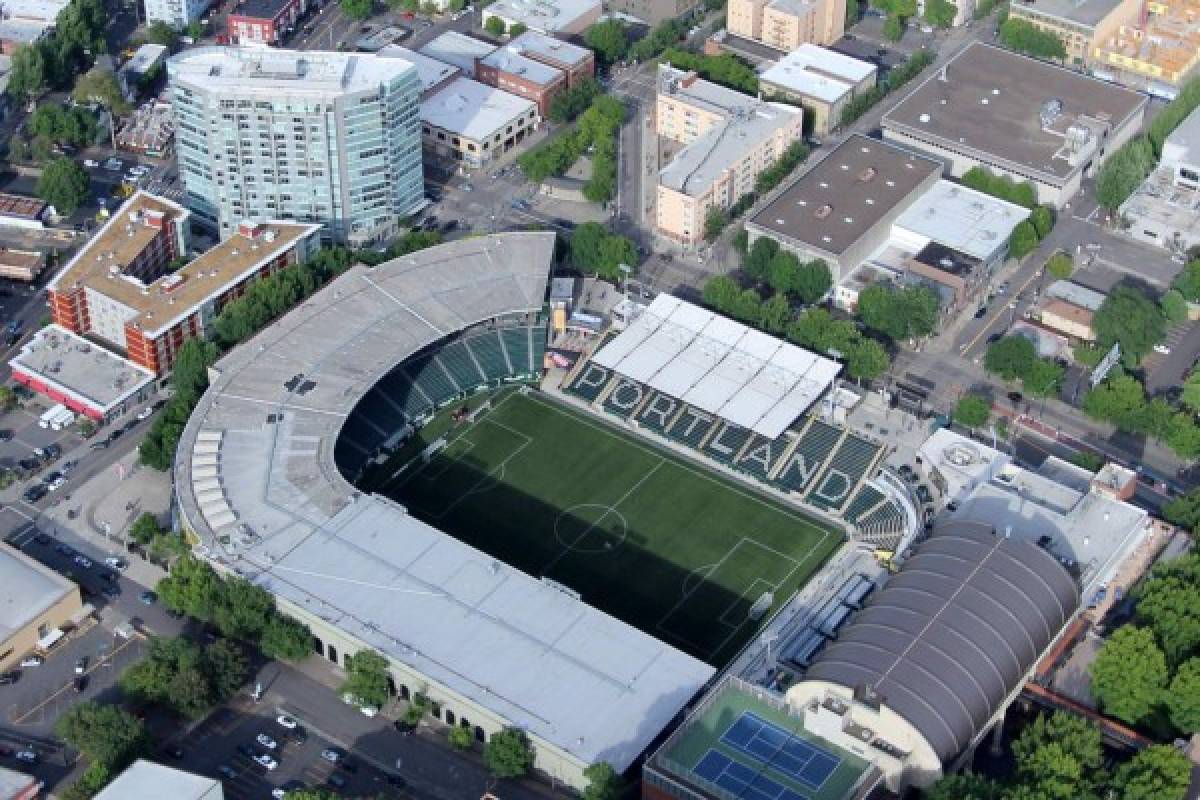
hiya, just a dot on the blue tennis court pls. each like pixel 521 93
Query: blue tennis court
pixel 741 780
pixel 785 752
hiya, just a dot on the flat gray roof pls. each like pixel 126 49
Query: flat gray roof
pixel 256 465
pixel 509 59
pixel 963 219
pixel 846 194
pixel 146 780
pixel 472 109
pixel 1083 12
pixel 697 91
pixel 458 49
pixel 992 102
pixel 818 72
pixel 27 589
pixel 273 72
pixel 431 71
pixel 550 48
pixel 80 369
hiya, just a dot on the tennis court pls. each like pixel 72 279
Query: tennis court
pixel 786 753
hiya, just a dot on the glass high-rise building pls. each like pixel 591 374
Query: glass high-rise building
pixel 265 134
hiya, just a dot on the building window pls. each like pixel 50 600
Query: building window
pixel 479 735
pixel 318 646
pixel 435 710
pixel 333 654
pixel 449 717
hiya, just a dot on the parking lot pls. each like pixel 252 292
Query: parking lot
pixel 225 745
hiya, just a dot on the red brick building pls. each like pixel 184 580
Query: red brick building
pixel 263 21
pixel 119 289
pixel 579 63
pixel 512 72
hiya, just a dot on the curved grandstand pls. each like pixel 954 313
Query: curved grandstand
pixel 261 480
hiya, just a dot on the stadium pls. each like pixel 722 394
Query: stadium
pixel 379 461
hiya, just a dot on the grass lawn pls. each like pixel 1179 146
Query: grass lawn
pixel 664 545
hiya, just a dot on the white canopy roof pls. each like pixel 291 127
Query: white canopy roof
pixel 720 366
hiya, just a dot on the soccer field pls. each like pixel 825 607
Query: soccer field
pixel 666 546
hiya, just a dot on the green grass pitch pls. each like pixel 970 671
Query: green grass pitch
pixel 665 545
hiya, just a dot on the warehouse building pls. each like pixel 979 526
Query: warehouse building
pixel 551 17
pixel 843 208
pixel 146 780
pixel 1016 116
pixel 475 124
pixel 821 81
pixel 516 74
pixel 579 63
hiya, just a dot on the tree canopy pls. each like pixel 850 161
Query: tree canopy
pixel 1060 265
pixel 1188 281
pixel 940 13
pixel 1129 674
pixel 508 753
pixel 604 782
pixel 594 249
pixel 493 25
pixel 99 85
pixel 972 411
pixel 1160 772
pixel 899 313
pixel 179 675
pixel 64 185
pixel 367 678
pixel 104 733
pixel 1183 697
pixel 1124 171
pixel 608 39
pixel 1011 357
pixel 1128 316
pixel 1025 37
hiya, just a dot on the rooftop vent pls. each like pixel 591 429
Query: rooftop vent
pixel 866 175
pixel 924 118
pixel 823 212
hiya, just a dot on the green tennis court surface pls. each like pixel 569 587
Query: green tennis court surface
pixel 658 542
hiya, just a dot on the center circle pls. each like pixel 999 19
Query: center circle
pixel 575 526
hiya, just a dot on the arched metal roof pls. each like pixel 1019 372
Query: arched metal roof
pixel 953 633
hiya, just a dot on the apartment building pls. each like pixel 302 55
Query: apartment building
pixel 579 63
pixel 1156 54
pixel 306 137
pixel 524 77
pixel 787 24
pixel 729 139
pixel 176 13
pixel 263 21
pixel 1082 26
pixel 820 80
pixel 119 287
pixel 653 12
pixel 24 22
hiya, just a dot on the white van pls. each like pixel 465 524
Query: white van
pixel 48 418
pixel 65 418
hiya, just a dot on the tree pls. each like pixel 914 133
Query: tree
pixel 604 782
pixel 104 733
pixel 192 587
pixel 460 738
pixel 144 529
pixel 1129 674
pixel 1128 316
pixel 1188 281
pixel 720 293
pixel 1024 37
pixel 8 398
pixel 367 678
pixel 1160 772
pixel 757 264
pixel 812 280
pixel 226 666
pixel 93 779
pixel 940 13
pixel 1183 697
pixel 972 411
pixel 357 9
pixel 594 248
pixel 1044 378
pixel 1011 358
pixel 162 33
pixel 899 313
pixel 508 753
pixel 1173 306
pixel 866 359
pixel 177 675
pixel 1168 605
pixel 1060 265
pixel 64 185
pixel 1041 217
pixel 608 39
pixel 494 26
pixel 893 28
pixel 99 85
pixel 285 638
pixel 1023 240
pixel 1124 171
pixel 747 307
pixel 1059 755
pixel 516 29
pixel 964 786
pixel 1086 459
pixel 313 794
pixel 27 76
pixel 714 222
pixel 1184 510
pixel 775 314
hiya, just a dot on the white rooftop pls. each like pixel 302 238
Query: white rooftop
pixel 818 72
pixel 1076 294
pixel 471 109
pixel 533 655
pixel 145 57
pixel 962 219
pixel 34 10
pixel 550 48
pixel 146 780
pixel 273 72
pixel 458 49
pixel 431 72
pixel 1182 146
pixel 509 59
pixel 719 366
pixel 701 162
pixel 27 590
pixel 546 16
pixel 79 369
pixel 706 94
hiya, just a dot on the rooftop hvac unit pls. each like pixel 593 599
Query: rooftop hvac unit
pixel 1052 109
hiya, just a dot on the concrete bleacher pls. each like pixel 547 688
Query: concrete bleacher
pixel 867 498
pixel 811 453
pixel 490 355
pixel 590 382
pixel 625 398
pixel 520 350
pixel 727 443
pixel 457 360
pixel 760 455
pixel 855 456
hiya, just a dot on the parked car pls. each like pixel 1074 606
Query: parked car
pixel 9 678
pixel 145 413
pixel 83 562
pixel 80 665
pixel 980 312
pixel 147 598
pixel 1162 349
pixel 80 683
pixel 227 771
pixel 91 163
pixel 266 762
pixel 331 755
pixel 34 493
pixel 5 435
pixel 115 563
pixel 266 741
pixel 284 721
pixel 27 756
pixel 32 661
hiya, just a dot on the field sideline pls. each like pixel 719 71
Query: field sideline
pixel 639 532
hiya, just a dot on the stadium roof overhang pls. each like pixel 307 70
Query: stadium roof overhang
pixel 719 366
